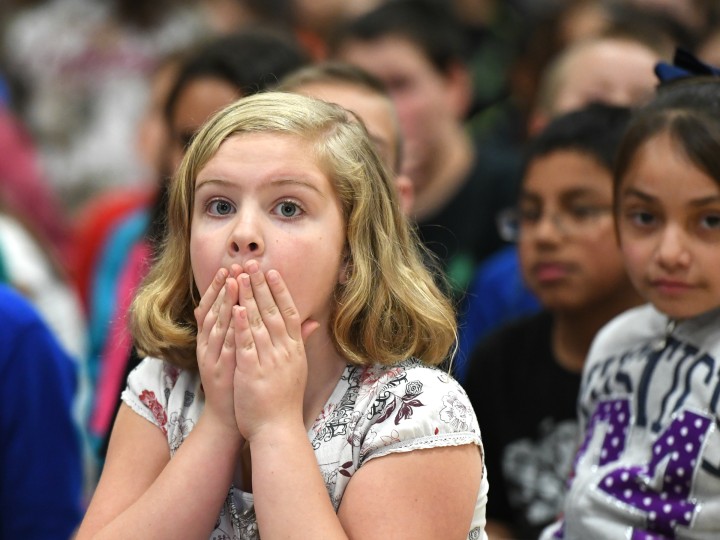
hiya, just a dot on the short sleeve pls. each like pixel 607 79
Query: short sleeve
pixel 145 393
pixel 417 407
pixel 167 396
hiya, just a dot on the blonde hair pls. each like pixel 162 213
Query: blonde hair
pixel 390 307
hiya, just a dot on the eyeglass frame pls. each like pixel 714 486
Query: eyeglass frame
pixel 508 221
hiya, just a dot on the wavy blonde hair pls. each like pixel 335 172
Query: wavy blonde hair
pixel 390 307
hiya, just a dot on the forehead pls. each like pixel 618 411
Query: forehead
pixel 269 150
pixel 199 99
pixel 617 72
pixel 661 169
pixel 387 56
pixel 566 171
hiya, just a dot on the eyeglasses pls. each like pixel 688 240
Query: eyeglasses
pixel 573 221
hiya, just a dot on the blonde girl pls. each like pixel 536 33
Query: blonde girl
pixel 292 333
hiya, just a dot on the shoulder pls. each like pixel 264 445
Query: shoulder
pixel 411 376
pixel 497 265
pixel 16 312
pixel 411 406
pixel 22 327
pixel 628 329
pixel 30 355
pixel 155 387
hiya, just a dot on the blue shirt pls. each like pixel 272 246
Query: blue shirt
pixel 40 450
pixel 496 295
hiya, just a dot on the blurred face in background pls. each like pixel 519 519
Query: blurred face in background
pixel 606 70
pixel 616 72
pixel 428 102
pixel 568 251
pixel 196 103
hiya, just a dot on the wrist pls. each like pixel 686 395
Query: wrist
pixel 278 433
pixel 216 430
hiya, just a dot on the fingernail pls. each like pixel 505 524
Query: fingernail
pixel 245 280
pixel 220 276
pixel 273 276
pixel 252 267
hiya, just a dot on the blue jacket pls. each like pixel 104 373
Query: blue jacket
pixel 41 474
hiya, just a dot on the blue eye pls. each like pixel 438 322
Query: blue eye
pixel 220 207
pixel 288 209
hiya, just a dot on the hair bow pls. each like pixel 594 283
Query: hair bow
pixel 684 65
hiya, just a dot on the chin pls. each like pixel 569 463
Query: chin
pixel 681 310
pixel 557 300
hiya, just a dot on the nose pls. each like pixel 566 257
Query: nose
pixel 548 229
pixel 246 238
pixel 672 251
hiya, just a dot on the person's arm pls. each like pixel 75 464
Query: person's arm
pixel 420 494
pixel 142 492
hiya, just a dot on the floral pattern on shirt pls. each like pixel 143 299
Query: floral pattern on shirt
pixel 373 411
pixel 156 409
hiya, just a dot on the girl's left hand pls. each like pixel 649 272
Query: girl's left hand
pixel 271 366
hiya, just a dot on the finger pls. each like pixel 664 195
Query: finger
pixel 235 270
pixel 210 296
pixel 218 332
pixel 285 304
pixel 260 334
pixel 245 350
pixel 265 301
pixel 207 323
pixel 226 358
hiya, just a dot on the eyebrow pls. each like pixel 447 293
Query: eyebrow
pixel 702 201
pixel 280 182
pixel 297 182
pixel 564 195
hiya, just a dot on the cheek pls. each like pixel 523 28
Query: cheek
pixel 525 256
pixel 407 117
pixel 310 271
pixel 204 262
pixel 636 259
pixel 606 266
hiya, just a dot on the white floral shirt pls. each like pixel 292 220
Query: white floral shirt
pixel 372 412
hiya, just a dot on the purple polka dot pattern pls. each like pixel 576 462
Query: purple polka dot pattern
pixel 616 414
pixel 667 507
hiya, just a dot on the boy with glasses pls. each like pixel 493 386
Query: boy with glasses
pixel 524 379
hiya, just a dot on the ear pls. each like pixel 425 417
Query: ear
pixel 459 89
pixel 406 193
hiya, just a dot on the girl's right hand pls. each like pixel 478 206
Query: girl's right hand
pixel 216 348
